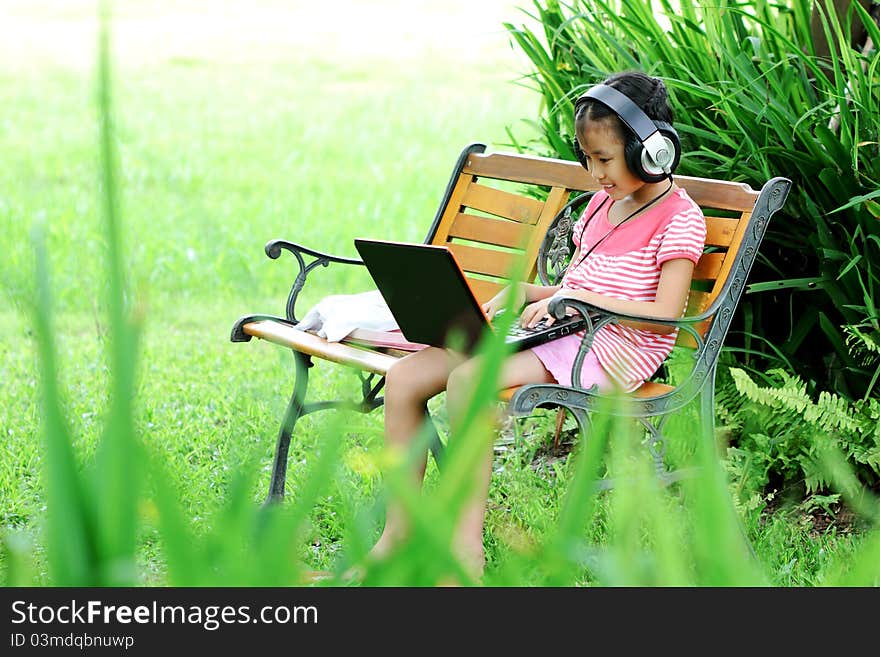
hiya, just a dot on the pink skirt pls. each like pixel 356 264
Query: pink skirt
pixel 557 357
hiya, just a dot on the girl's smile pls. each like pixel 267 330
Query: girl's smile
pixel 604 151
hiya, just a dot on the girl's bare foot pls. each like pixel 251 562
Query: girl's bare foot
pixel 473 561
pixel 387 543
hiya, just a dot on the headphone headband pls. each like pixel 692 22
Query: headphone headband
pixel 635 119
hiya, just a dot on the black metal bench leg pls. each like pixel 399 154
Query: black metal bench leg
pixel 657 447
pixel 582 419
pixel 707 407
pixel 293 413
pixel 707 422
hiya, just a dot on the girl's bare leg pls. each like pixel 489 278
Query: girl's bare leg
pixel 409 384
pixel 521 368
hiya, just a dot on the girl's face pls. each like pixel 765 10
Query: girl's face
pixel 603 148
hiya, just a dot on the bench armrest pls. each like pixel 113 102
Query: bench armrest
pixel 593 313
pixel 238 334
pixel 596 317
pixel 273 249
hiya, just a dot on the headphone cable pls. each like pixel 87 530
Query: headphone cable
pixel 616 226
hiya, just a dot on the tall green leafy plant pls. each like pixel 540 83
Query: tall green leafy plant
pixel 92 518
pixel 751 100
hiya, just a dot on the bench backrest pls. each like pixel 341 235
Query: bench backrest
pixel 491 214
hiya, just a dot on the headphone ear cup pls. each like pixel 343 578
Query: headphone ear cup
pixel 672 137
pixel 633 151
pixel 640 163
pixel 579 154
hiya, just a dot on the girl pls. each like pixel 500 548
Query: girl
pixel 636 246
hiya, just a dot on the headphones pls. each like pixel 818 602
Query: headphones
pixel 652 148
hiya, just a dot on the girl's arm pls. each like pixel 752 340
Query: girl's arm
pixel 672 291
pixel 525 293
pixel 537 292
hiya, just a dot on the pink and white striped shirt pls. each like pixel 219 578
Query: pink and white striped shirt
pixel 626 265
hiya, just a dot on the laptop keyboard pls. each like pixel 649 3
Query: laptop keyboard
pixel 554 331
pixel 518 331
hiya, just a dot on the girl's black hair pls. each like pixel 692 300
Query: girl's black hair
pixel 648 92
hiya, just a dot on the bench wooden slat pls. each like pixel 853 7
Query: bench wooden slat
pixel 489 231
pixel 720 230
pixel 311 344
pixel 484 290
pixel 652 389
pixel 483 261
pixel 706 192
pixel 685 339
pixel 531 169
pixel 732 253
pixel 708 267
pixel 698 301
pixel 719 194
pixel 522 209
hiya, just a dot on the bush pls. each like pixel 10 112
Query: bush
pixel 753 99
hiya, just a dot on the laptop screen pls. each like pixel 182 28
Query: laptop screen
pixel 426 292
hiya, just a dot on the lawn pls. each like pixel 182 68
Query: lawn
pixel 238 122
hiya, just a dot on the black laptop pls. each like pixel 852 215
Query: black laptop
pixel 430 298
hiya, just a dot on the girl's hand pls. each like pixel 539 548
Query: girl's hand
pixel 499 301
pixel 535 312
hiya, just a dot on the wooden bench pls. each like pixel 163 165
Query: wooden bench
pixel 491 213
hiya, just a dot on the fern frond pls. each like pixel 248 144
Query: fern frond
pixel 791 426
pixel 832 413
pixel 790 396
pixel 864 346
pixel 815 476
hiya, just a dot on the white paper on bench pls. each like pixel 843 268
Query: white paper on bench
pixel 335 316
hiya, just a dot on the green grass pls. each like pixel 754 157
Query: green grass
pixel 219 152
pixel 222 146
